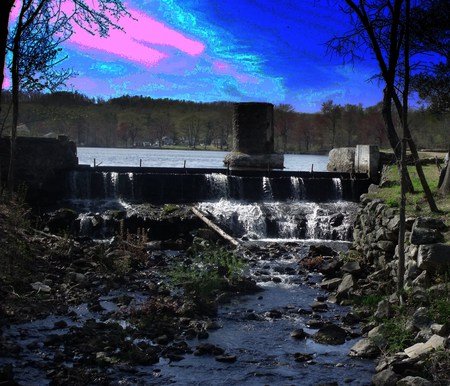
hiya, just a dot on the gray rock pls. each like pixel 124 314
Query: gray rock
pixel 425 236
pixel 346 285
pixel 385 378
pixel 419 349
pixel 434 257
pixel 330 334
pixel 430 223
pixel 413 381
pixel 384 310
pixel 341 159
pixel 351 267
pixel 420 318
pixel 331 284
pixel 364 348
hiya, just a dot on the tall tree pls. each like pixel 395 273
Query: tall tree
pixel 5 10
pixel 379 27
pixel 40 27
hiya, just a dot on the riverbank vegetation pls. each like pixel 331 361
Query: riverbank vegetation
pixel 130 121
pixel 416 204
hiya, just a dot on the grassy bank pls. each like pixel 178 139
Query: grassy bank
pixel 416 203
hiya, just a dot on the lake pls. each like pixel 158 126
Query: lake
pixel 180 158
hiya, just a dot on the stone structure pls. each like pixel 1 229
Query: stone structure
pixel 39 165
pixel 362 159
pixel 376 239
pixel 253 138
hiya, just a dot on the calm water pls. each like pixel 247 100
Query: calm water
pixel 177 158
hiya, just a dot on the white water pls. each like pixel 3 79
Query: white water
pixel 292 220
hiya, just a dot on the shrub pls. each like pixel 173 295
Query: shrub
pixel 209 271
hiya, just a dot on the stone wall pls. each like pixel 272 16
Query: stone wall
pixel 376 238
pixel 39 165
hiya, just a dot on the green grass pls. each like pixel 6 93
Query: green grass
pixel 416 203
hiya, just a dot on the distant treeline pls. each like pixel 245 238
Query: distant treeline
pixel 145 122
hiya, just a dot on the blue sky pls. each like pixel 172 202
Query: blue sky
pixel 224 50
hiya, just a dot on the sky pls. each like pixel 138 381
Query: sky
pixel 223 50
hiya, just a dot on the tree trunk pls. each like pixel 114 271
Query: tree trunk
pixel 15 102
pixel 445 186
pixel 5 10
pixel 393 137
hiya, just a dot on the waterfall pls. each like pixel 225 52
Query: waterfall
pixel 297 188
pixel 337 188
pixel 279 220
pixel 267 188
pixel 131 181
pixel 79 185
pixel 218 185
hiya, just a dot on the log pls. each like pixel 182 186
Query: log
pixel 215 228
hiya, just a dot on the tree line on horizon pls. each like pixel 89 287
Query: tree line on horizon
pixel 137 121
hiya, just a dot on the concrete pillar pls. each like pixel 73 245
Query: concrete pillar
pixel 253 138
pixel 367 159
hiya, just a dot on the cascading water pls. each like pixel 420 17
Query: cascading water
pixel 267 188
pixel 278 220
pixel 338 188
pixel 298 188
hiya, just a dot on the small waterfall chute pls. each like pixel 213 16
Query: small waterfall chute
pixel 267 188
pixel 297 188
pixel 337 183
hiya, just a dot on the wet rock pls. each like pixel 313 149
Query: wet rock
pixel 315 323
pixel 60 324
pixel 208 349
pixel 303 357
pixel 331 284
pixel 364 348
pixel 226 358
pixel 299 334
pixel 274 314
pixel 319 306
pixel 330 334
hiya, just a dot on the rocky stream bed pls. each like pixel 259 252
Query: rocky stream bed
pixel 75 311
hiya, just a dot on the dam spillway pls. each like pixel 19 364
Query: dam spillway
pixel 189 185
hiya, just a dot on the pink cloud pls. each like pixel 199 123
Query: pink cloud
pixel 134 42
pixel 223 68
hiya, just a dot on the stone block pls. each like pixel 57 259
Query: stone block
pixel 434 257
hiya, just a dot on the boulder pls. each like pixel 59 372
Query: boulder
pixel 345 287
pixel 413 381
pixel 364 348
pixel 425 236
pixel 419 349
pixel 330 334
pixel 434 257
pixel 331 284
pixel 351 267
pixel 341 160
pixel 385 378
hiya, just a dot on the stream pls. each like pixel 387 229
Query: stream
pixel 255 329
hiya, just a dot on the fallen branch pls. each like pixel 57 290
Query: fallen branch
pixel 215 228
